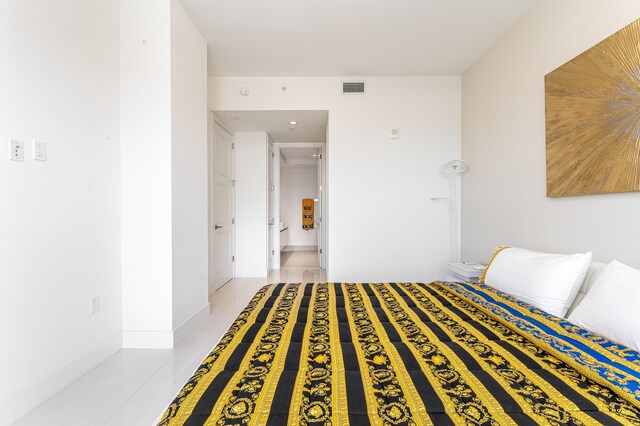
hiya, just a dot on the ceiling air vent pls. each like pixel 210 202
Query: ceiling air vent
pixel 353 87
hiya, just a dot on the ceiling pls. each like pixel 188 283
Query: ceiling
pixel 299 157
pixel 352 37
pixel 311 125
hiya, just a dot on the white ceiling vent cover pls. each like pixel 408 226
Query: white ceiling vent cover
pixel 353 87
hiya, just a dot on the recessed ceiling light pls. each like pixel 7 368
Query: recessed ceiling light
pixel 293 123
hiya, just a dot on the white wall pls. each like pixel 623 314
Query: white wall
pixel 188 166
pixel 381 223
pixel 145 45
pixel 164 175
pixel 251 204
pixel 93 80
pixel 503 132
pixel 296 184
pixel 59 219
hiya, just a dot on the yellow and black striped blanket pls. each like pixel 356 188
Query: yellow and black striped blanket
pixel 407 354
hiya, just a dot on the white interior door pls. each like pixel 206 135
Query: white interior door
pixel 272 228
pixel 221 174
pixel 276 207
pixel 318 210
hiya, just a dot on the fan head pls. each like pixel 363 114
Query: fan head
pixel 455 167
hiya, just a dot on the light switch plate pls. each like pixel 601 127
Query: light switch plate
pixel 394 133
pixel 16 150
pixel 39 151
pixel 94 305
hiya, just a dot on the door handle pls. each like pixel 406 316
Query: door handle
pixel 218 226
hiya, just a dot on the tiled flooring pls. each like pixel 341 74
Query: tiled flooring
pixel 300 259
pixel 134 386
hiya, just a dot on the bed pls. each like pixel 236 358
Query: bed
pixel 443 353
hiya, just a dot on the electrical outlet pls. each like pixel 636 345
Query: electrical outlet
pixel 16 150
pixel 39 151
pixel 94 305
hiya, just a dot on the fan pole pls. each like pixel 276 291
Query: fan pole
pixel 454 216
pixel 454 169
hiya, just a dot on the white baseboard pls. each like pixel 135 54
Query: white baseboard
pixel 300 248
pixel 251 273
pixel 200 316
pixel 135 339
pixel 18 405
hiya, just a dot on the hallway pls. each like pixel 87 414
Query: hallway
pixel 300 259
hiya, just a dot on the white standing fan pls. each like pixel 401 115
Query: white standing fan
pixel 454 169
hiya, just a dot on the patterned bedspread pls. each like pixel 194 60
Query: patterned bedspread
pixel 407 354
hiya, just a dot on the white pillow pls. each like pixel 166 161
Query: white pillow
pixel 547 281
pixel 610 308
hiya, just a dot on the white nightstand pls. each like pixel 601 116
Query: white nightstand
pixel 466 272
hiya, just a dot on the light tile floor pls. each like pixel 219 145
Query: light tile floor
pixel 300 259
pixel 134 386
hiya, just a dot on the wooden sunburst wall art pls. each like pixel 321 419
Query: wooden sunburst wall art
pixel 593 119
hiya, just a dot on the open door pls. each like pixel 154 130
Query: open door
pixel 221 192
pixel 272 228
pixel 318 220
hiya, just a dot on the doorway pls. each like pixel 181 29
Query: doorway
pixel 300 202
pixel 220 159
pixel 273 136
